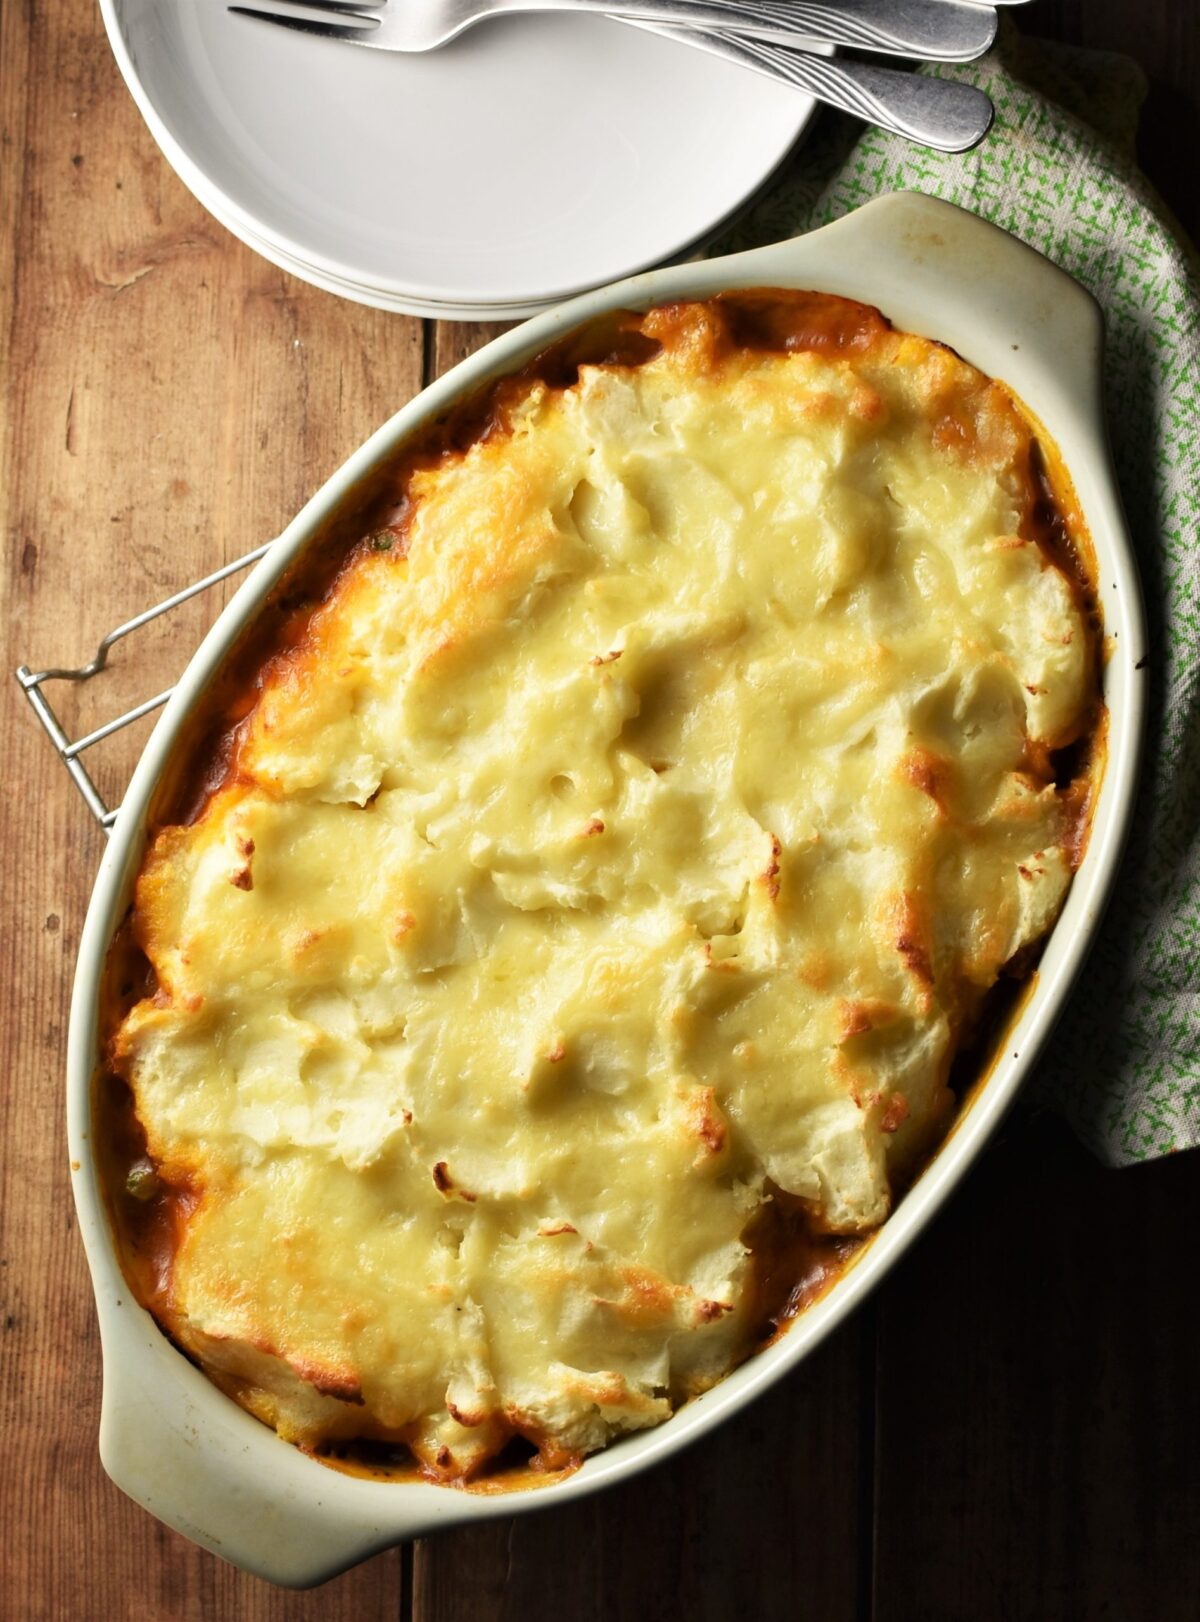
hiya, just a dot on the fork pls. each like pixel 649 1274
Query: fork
pixel 934 30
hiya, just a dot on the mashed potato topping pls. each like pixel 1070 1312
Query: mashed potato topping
pixel 632 835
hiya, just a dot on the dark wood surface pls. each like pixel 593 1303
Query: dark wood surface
pixel 1009 1430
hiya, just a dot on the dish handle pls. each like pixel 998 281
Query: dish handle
pixel 212 1472
pixel 1014 299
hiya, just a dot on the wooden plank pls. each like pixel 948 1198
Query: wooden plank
pixel 1038 1406
pixel 172 399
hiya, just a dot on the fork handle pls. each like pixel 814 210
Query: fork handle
pixel 932 30
pixel 939 113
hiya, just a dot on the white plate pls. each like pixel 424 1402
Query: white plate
pixel 530 158
pixel 403 304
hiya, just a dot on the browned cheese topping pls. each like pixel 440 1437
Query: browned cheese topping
pixel 622 851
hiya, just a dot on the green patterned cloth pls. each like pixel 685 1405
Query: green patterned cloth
pixel 1058 171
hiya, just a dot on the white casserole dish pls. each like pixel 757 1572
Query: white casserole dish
pixel 171 1440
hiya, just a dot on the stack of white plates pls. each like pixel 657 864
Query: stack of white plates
pixel 531 158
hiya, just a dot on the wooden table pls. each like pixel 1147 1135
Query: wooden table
pixel 1009 1430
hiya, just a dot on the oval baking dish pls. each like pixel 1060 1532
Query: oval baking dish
pixel 173 1441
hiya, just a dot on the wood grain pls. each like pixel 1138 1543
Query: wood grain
pixel 1038 1408
pixel 1009 1432
pixel 455 340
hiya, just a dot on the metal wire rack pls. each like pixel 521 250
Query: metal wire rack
pixel 71 750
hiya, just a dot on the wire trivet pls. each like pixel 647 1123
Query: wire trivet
pixel 70 750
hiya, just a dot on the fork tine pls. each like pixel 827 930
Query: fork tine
pixel 354 32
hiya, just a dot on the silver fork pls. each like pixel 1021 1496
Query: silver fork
pixel 933 30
